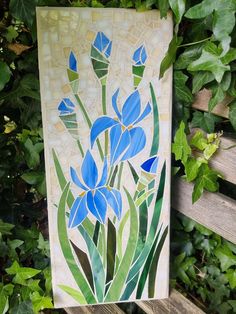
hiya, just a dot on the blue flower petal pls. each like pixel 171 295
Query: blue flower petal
pixel 137 143
pixel 150 165
pixel 72 62
pixel 89 171
pixel 108 50
pixel 119 142
pixel 78 212
pixel 140 55
pixel 131 108
pixel 114 199
pixel 100 125
pixel 66 106
pixel 104 174
pixel 76 180
pixel 146 111
pixel 114 103
pixel 101 41
pixel 97 205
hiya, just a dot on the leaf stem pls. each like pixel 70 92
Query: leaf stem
pixel 104 111
pixel 195 42
pixel 80 148
pixel 88 122
pixel 119 175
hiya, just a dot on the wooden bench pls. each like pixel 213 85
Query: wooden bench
pixel 207 211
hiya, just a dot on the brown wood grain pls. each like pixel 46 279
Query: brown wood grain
pixel 175 304
pixel 201 103
pixel 213 210
pixel 95 309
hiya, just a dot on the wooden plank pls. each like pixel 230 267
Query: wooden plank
pixel 98 309
pixel 213 210
pixel 175 304
pixel 201 103
pixel 224 160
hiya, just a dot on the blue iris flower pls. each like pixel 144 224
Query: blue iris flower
pixel 126 140
pixel 72 62
pixel 140 56
pixel 96 195
pixel 66 106
pixel 103 44
pixel 150 165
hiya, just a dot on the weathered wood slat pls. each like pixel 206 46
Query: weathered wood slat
pixel 175 304
pixel 213 210
pixel 225 159
pixel 95 309
pixel 201 102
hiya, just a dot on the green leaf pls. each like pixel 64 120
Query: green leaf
pixel 200 79
pixel 229 56
pixel 232 113
pixel 23 10
pixel 31 152
pixel 226 257
pixel 207 179
pixel 21 273
pixel 155 139
pixel 5 228
pixel 25 307
pixel 170 56
pixel 231 276
pixel 201 10
pixel 43 245
pixel 217 96
pixel 205 121
pixel 182 92
pixel 5 292
pixel 189 55
pixel 5 74
pixel 180 147
pixel 33 177
pixel 11 33
pixel 199 140
pixel 178 7
pixel 40 302
pixel 191 169
pixel 48 279
pixel 209 62
pixel 210 150
pixel 75 294
pixel 163 6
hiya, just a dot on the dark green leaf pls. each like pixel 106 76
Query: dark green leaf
pixel 226 257
pixel 232 113
pixel 5 74
pixel 182 92
pixel 231 276
pixel 170 55
pixel 23 10
pixel 178 7
pixel 200 79
pixel 189 55
pixel 205 121
pixel 23 308
pixel 163 7
pixel 191 169
pixel 217 96
pixel 180 147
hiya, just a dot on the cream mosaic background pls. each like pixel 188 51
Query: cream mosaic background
pixel 61 30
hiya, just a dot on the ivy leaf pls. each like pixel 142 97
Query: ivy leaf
pixel 217 96
pixel 232 113
pixel 43 245
pixel 182 92
pixel 163 6
pixel 207 179
pixel 23 10
pixel 200 79
pixel 226 257
pixel 178 7
pixel 5 292
pixel 189 55
pixel 5 228
pixel 40 302
pixel 231 276
pixel 11 33
pixel 191 169
pixel 5 74
pixel 31 152
pixel 180 147
pixel 200 10
pixel 209 62
pixel 205 121
pixel 23 308
pixel 199 140
pixel 229 56
pixel 170 56
pixel 210 150
pixel 21 273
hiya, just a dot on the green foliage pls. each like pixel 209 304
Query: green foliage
pixel 211 277
pixel 203 55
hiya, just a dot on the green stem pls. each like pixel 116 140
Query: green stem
pixel 80 148
pixel 110 174
pixel 195 42
pixel 88 122
pixel 119 175
pixel 104 111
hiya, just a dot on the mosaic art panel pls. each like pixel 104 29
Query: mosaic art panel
pixel 107 132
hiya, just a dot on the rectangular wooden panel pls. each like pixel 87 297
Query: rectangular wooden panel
pixel 107 132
